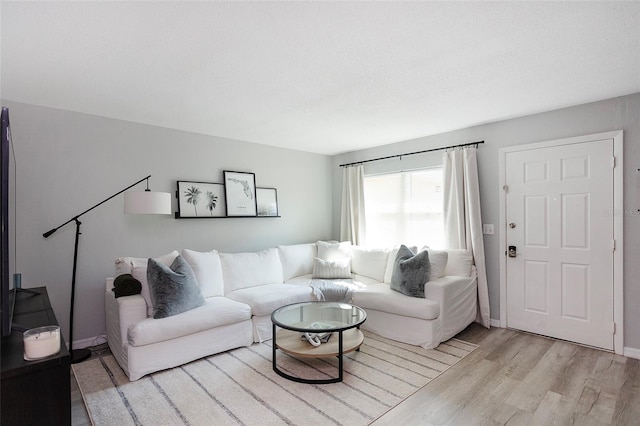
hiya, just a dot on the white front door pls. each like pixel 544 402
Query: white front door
pixel 559 204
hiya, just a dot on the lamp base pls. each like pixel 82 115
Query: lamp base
pixel 79 355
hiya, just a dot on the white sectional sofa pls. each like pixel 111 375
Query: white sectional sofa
pixel 242 289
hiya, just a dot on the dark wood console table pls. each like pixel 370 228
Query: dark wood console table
pixel 34 392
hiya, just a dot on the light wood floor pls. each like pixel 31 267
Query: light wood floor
pixel 513 378
pixel 79 415
pixel 516 378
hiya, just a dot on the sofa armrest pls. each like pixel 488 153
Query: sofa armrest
pixel 447 288
pixel 121 314
pixel 457 297
pixel 109 284
pixel 440 290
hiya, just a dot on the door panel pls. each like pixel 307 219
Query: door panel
pixel 536 215
pixel 536 286
pixel 575 221
pixel 575 291
pixel 560 283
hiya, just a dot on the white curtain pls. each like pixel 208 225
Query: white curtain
pixel 352 220
pixel 462 217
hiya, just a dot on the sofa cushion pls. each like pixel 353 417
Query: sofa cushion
pixel 369 262
pixel 410 272
pixel 174 289
pixel 381 297
pixel 216 312
pixel 364 280
pixel 267 298
pixel 326 269
pixel 138 269
pixel 459 263
pixel 208 270
pixel 334 251
pixel 438 260
pixel 125 265
pixel 301 280
pixel 297 259
pixel 243 270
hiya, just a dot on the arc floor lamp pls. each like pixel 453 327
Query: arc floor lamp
pixel 146 202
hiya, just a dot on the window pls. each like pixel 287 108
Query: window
pixel 405 208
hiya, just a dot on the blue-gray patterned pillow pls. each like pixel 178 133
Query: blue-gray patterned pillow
pixel 174 289
pixel 410 272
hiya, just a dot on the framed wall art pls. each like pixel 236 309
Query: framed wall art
pixel 200 200
pixel 240 193
pixel 267 199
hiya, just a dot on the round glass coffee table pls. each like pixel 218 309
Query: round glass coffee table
pixel 342 320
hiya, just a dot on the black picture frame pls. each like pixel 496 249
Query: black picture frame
pixel 267 199
pixel 240 194
pixel 207 195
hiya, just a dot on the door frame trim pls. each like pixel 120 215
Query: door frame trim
pixel 618 221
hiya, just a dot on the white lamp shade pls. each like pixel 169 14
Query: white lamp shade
pixel 147 202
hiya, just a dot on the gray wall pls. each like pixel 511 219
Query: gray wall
pixel 67 162
pixel 612 114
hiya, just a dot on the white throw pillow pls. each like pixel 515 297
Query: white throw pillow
pixel 331 269
pixel 297 259
pixel 334 251
pixel 438 260
pixel 242 270
pixel 208 271
pixel 459 263
pixel 124 265
pixel 371 263
pixel 138 269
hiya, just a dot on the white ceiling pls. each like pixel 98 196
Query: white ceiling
pixel 324 77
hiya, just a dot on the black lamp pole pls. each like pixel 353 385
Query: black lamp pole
pixel 79 355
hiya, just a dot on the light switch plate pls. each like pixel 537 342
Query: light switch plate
pixel 487 229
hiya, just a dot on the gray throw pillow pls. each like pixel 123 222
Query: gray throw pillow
pixel 410 272
pixel 174 289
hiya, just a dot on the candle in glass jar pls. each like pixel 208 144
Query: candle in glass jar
pixel 41 342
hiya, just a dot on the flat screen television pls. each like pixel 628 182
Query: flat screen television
pixel 6 295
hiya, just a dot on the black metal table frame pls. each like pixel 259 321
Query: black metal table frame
pixel 311 381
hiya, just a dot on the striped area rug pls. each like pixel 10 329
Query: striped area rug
pixel 239 387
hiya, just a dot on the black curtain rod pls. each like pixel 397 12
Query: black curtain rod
pixel 411 153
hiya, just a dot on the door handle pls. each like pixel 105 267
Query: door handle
pixel 513 251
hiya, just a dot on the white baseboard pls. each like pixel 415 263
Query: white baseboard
pixel 631 352
pixel 89 341
pixel 495 323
